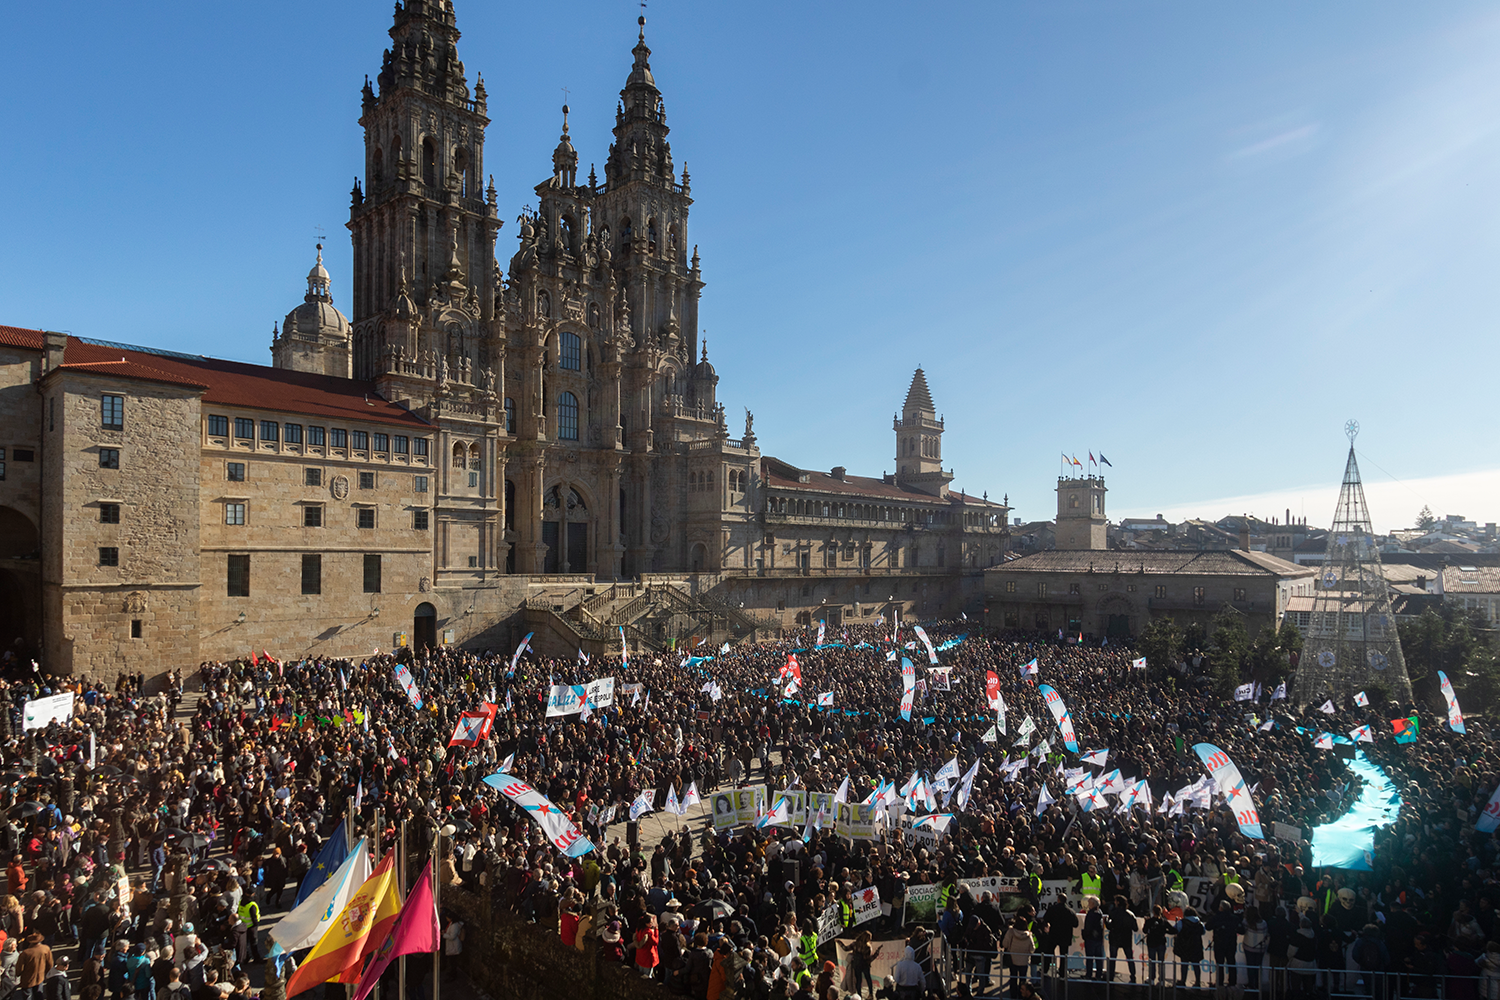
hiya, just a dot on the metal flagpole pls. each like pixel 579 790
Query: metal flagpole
pixel 375 992
pixel 437 900
pixel 401 877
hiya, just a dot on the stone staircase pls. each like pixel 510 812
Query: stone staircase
pixel 655 616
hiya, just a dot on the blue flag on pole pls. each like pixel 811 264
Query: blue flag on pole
pixel 325 864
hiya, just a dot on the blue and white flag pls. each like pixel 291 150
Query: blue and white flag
pixel 408 684
pixel 515 657
pixel 1095 757
pixel 922 634
pixel 825 700
pixel 644 803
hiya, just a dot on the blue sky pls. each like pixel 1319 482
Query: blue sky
pixel 1195 237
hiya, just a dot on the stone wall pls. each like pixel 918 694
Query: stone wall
pixel 142 614
pixel 20 498
pixel 507 958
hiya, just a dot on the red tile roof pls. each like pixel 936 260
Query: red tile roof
pixel 15 336
pixel 123 368
pixel 858 486
pixel 234 383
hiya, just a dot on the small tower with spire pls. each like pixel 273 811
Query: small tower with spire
pixel 919 441
pixel 315 337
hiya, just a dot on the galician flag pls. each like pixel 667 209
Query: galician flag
pixel 1361 734
pixel 414 932
pixel 370 912
pixel 473 727
pixel 1362 700
pixel 310 918
pixel 780 813
pixel 825 700
pixel 1138 663
pixel 1097 757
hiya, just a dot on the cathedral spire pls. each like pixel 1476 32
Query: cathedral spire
pixel 565 157
pixel 640 148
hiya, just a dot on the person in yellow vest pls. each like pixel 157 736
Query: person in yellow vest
pixel 846 905
pixel 1090 882
pixel 807 945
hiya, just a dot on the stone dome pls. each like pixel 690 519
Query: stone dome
pixel 316 318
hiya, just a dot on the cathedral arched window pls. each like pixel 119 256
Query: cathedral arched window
pixel 567 417
pixel 429 162
pixel 1073 501
pixel 465 173
pixel 474 460
pixel 510 415
pixel 570 351
pixel 460 456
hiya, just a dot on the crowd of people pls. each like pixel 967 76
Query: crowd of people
pixel 163 842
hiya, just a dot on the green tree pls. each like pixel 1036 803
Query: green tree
pixel 1458 642
pixel 1161 644
pixel 1425 520
pixel 1228 651
pixel 1271 652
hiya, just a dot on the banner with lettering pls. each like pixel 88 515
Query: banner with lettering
pixel 1232 786
pixel 570 699
pixel 554 822
pixel 1060 713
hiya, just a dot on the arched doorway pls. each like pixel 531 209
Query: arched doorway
pixel 424 626
pixel 565 531
pixel 698 557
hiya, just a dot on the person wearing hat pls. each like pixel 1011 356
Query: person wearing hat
pixel 33 967
pixel 610 945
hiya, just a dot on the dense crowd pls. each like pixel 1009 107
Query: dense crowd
pixel 159 842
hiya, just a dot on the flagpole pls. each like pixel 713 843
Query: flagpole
pixel 401 877
pixel 437 898
pixel 375 836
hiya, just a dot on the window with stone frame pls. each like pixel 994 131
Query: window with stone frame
pixel 109 458
pixel 112 412
pixel 312 573
pixel 237 575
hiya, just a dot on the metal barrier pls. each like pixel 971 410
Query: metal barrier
pixel 1097 977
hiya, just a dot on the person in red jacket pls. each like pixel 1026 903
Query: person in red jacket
pixel 15 876
pixel 646 938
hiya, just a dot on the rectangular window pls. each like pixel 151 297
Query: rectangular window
pixel 419 520
pixel 403 443
pixel 372 574
pixel 112 412
pixel 312 516
pixel 339 438
pixel 1239 593
pixel 234 472
pixel 2 464
pixel 1074 588
pixel 366 517
pixel 315 436
pixel 382 442
pixel 234 513
pixel 270 430
pixel 419 446
pixel 419 484
pixel 109 556
pixel 1010 586
pixel 1041 590
pixel 218 425
pixel 473 479
pixel 237 576
pixel 293 433
pixel 109 458
pixel 473 562
pixel 109 513
pixel 361 440
pixel 20 454
pixel 135 628
pixel 312 477
pixel 312 574
pixel 1199 596
pixel 1161 590
pixel 244 428
pixel 367 480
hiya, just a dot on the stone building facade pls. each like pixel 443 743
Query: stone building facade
pixel 1082 587
pixel 475 440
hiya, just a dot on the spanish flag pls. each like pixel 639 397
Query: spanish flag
pixel 357 932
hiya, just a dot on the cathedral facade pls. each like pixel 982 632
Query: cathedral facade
pixel 477 441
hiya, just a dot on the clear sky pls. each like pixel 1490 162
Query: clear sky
pixel 1195 237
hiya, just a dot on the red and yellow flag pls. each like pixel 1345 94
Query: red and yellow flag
pixel 357 931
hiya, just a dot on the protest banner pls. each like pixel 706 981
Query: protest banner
pixel 922 904
pixel 39 713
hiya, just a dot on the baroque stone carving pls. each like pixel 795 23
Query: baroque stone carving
pixel 338 486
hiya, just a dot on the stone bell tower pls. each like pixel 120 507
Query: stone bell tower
pixel 919 441
pixel 1081 524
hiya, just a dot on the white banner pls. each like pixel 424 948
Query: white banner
pixel 866 905
pixel 1232 786
pixel 569 699
pixel 553 821
pixel 39 713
